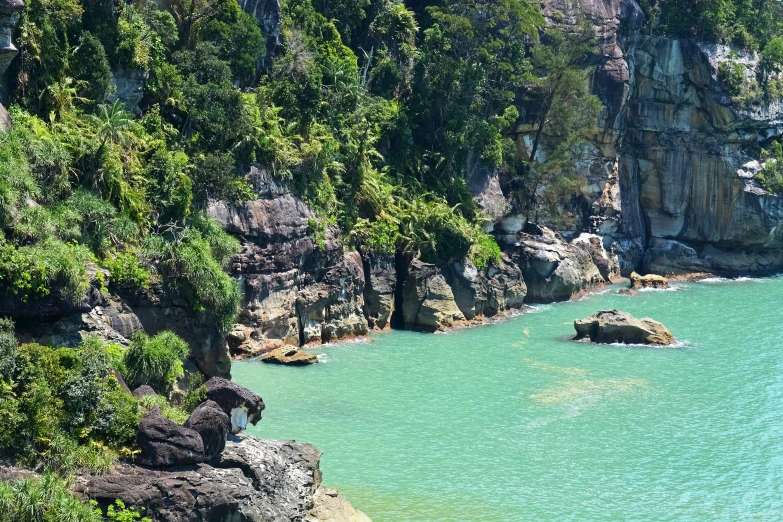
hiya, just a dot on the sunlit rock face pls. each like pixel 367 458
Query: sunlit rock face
pixel 674 157
pixel 9 10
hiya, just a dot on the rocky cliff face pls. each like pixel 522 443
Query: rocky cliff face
pixel 9 10
pixel 667 182
pixel 298 289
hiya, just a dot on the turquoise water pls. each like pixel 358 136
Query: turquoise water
pixel 512 421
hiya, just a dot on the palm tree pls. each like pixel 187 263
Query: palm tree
pixel 112 123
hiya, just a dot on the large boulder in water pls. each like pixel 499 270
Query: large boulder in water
pixel 648 281
pixel 209 421
pixel 240 404
pixel 611 326
pixel 164 443
pixel 290 357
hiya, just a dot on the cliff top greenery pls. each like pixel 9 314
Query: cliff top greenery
pixel 129 117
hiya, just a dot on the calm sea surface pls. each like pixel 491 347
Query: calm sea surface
pixel 513 421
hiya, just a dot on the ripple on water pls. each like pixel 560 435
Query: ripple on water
pixel 508 422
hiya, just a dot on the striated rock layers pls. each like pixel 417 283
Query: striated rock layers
pixel 668 182
pixel 611 326
pixel 300 286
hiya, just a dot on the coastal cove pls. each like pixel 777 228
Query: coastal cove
pixel 514 421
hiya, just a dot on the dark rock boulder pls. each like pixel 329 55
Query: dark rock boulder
pixel 290 357
pixel 251 481
pixel 611 326
pixel 143 391
pixel 164 443
pixel 240 404
pixel 212 424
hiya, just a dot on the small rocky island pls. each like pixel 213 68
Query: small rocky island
pixel 612 326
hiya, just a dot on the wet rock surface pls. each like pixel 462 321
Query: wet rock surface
pixel 612 326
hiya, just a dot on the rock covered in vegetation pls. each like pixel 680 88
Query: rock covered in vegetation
pixel 143 391
pixel 648 281
pixel 290 357
pixel 164 443
pixel 611 326
pixel 212 424
pixel 428 302
pixel 240 404
pixel 252 480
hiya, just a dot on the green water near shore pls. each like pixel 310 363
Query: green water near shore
pixel 512 421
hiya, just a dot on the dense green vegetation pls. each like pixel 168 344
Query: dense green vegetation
pixel 64 411
pixel 376 114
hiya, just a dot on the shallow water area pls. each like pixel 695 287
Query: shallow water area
pixel 513 421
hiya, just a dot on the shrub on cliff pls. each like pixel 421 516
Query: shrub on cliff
pixel 155 361
pixel 43 499
pixel 62 409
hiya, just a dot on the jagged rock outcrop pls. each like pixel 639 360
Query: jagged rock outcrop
pixel 241 405
pixel 555 269
pixel 251 480
pixel 301 287
pixel 428 302
pixel 611 326
pixel 489 292
pixel 380 282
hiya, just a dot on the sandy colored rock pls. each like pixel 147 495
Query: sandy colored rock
pixel 290 357
pixel 331 506
pixel 612 326
pixel 648 281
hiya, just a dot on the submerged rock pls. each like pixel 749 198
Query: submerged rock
pixel 648 281
pixel 612 326
pixel 290 357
